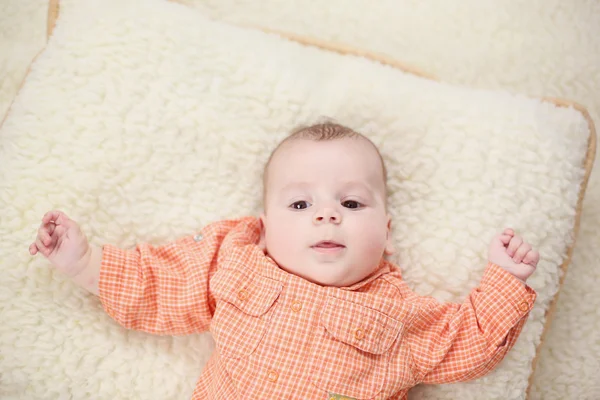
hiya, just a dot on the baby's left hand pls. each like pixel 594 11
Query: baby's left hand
pixel 510 252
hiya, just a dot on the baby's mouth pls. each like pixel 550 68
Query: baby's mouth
pixel 328 243
pixel 328 246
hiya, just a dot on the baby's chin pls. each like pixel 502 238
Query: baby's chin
pixel 326 275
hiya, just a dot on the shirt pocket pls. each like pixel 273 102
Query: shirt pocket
pixel 243 311
pixel 352 349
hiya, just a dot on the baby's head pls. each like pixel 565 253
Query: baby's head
pixel 326 184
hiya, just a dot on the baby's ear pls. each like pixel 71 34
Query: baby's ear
pixel 262 243
pixel 389 245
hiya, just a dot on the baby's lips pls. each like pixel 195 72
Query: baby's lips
pixel 328 244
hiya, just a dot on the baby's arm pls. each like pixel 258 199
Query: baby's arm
pixel 452 342
pixel 164 289
pixel 458 342
pixel 157 289
pixel 89 276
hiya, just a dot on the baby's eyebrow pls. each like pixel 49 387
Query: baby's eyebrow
pixel 344 185
pixel 352 184
pixel 294 185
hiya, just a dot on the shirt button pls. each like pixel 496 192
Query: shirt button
pixel 243 294
pixel 198 238
pixel 273 375
pixel 524 306
pixel 359 334
pixel 296 306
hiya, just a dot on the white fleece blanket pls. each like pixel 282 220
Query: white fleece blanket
pixel 146 122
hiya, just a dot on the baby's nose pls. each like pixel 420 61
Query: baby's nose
pixel 327 215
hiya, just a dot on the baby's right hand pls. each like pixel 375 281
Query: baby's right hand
pixel 61 241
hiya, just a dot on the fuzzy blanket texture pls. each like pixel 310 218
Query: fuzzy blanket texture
pixel 145 123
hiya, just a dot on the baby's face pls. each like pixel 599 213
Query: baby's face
pixel 320 192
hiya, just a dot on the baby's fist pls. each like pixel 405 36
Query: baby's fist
pixel 62 242
pixel 510 252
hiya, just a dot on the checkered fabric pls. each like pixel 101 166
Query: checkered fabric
pixel 279 336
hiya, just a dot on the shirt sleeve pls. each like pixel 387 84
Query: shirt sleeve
pixel 458 342
pixel 164 289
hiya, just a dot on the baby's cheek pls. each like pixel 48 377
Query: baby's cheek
pixel 373 238
pixel 282 237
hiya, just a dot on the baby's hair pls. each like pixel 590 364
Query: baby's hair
pixel 321 132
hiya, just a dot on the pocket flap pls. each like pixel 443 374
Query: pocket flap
pixel 251 293
pixel 364 328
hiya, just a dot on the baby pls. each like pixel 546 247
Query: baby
pixel 301 302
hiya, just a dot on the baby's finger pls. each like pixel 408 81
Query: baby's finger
pixel 44 236
pixel 41 248
pixel 509 231
pixel 58 217
pixel 505 239
pixel 33 249
pixel 50 227
pixel 521 252
pixel 532 258
pixel 514 244
pixel 50 216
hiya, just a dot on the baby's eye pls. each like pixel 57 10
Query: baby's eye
pixel 299 205
pixel 351 204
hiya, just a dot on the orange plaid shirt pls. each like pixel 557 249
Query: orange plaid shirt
pixel 279 336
